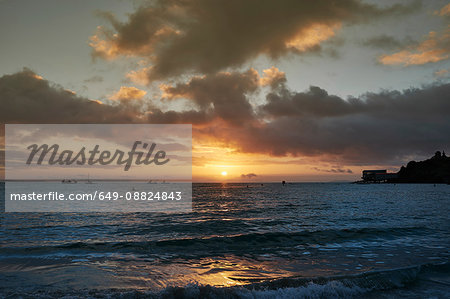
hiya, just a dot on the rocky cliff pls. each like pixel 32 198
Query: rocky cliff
pixel 434 170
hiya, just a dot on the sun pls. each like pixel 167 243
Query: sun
pixel 224 173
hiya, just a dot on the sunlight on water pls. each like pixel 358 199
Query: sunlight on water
pixel 235 236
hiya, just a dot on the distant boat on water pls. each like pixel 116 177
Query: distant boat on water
pixel 156 182
pixel 68 181
pixel 89 180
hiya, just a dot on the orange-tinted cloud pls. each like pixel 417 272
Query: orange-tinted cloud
pixel 140 76
pixel 273 77
pixel 379 127
pixel 445 11
pixel 128 93
pixel 311 37
pixel 435 48
pixel 103 47
pixel 192 37
pixel 36 76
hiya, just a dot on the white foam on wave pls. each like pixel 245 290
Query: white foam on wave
pixel 332 289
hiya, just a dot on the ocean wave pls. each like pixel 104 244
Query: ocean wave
pixel 228 244
pixel 375 284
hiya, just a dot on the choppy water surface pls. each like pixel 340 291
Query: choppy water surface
pixel 317 240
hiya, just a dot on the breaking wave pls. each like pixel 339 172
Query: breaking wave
pixel 375 284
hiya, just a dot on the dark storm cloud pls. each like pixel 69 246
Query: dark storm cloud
pixel 378 127
pixel 373 128
pixel 226 93
pixel 315 101
pixel 194 117
pixel 203 36
pixel 27 98
pixel 420 104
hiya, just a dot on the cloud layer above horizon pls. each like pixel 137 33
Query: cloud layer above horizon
pixel 377 127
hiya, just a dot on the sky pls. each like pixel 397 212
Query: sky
pixel 293 90
pixel 99 151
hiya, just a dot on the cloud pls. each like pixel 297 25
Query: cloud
pixel 194 117
pixel 314 102
pixel 444 11
pixel 376 127
pixel 381 127
pixel 333 170
pixel 94 79
pixel 27 98
pixel 310 38
pixel 386 42
pixel 183 37
pixel 441 73
pixel 103 48
pixel 248 176
pixel 273 77
pixel 435 48
pixel 139 77
pixel 224 94
pixel 128 93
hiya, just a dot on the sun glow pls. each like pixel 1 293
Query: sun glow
pixel 224 173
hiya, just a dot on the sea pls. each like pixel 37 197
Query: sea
pixel 301 240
